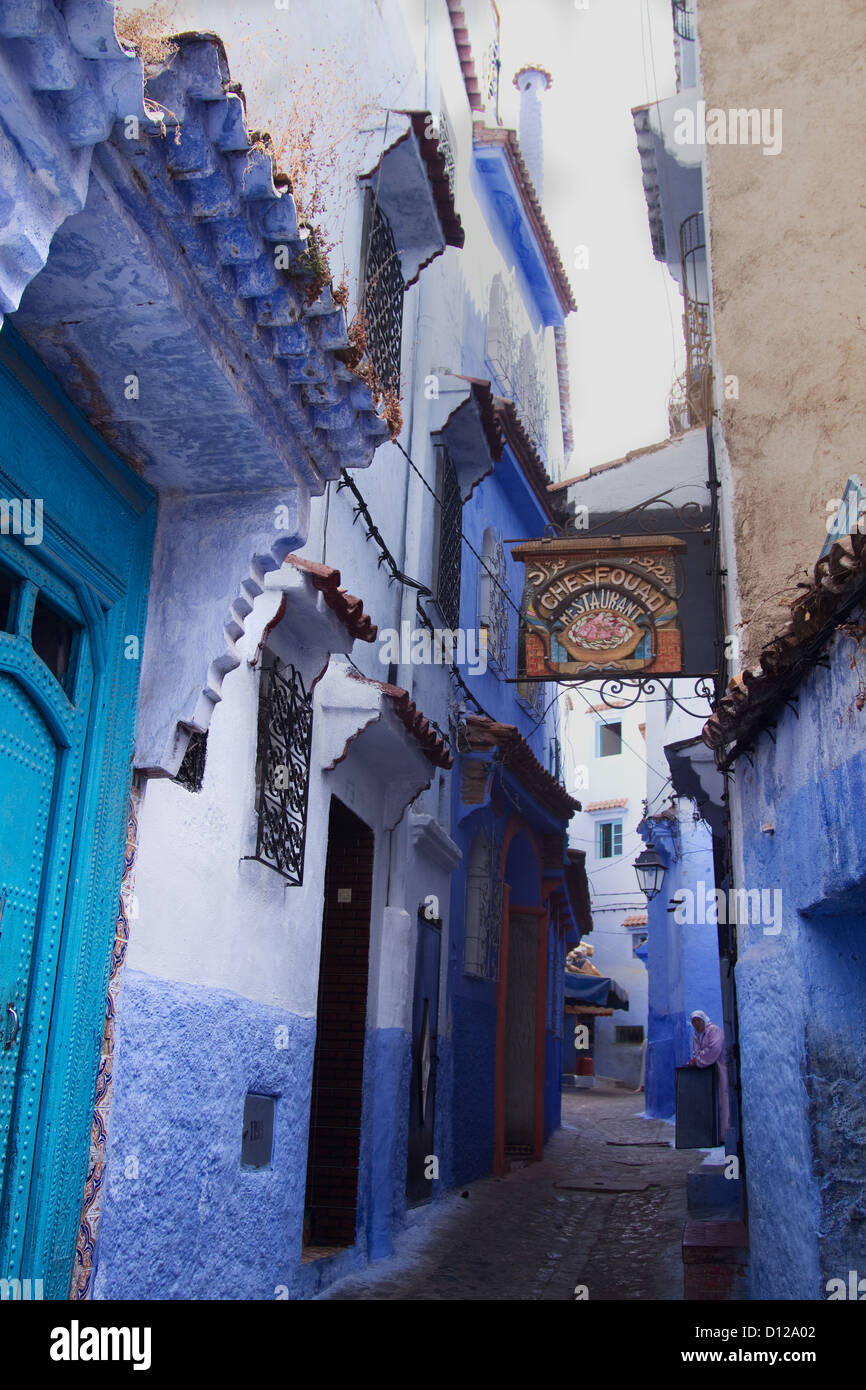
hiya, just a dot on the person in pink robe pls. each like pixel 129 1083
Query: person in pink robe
pixel 708 1049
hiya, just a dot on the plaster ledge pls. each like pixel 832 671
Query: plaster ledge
pixel 431 839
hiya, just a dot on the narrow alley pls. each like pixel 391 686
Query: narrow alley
pixel 605 1209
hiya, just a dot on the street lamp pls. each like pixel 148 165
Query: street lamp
pixel 650 869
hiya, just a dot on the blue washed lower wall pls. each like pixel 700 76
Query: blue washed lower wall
pixel 385 1141
pixel 552 1083
pixel 382 1167
pixel 443 1134
pixel 194 1223
pixel 801 993
pixel 474 1071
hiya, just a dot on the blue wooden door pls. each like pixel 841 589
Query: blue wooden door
pixel 73 596
pixel 46 681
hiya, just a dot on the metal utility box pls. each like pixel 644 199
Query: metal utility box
pixel 697 1108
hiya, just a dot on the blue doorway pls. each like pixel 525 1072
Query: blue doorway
pixel 76 534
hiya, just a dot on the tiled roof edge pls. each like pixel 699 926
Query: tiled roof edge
pixel 348 608
pixel 507 139
pixel 515 752
pixel 838 586
pixel 432 744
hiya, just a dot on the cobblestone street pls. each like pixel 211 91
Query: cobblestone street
pixel 605 1209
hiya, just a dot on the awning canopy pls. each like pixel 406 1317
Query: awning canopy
pixel 595 989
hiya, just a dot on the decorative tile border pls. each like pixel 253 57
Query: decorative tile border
pixel 82 1270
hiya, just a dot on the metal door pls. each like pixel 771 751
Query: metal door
pixel 46 681
pixel 422 1092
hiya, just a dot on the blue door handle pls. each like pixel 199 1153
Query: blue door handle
pixel 10 1042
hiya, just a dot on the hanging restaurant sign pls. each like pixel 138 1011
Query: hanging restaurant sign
pixel 604 605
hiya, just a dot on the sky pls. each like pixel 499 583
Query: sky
pixel 625 341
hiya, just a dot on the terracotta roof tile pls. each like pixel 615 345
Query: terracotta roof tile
pixel 636 919
pixel 482 733
pixel 502 425
pixel 348 608
pixel 498 135
pixel 452 227
pixel 605 805
pixel 838 586
pixel 432 744
pixel 514 432
pixel 464 53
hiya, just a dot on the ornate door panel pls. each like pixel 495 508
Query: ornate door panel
pixel 76 541
pixel 45 689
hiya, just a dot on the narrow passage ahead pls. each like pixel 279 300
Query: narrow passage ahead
pixel 605 1209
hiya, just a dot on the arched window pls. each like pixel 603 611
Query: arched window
pixel 493 599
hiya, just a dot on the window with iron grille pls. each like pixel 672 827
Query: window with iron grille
pixel 190 774
pixel 484 899
pixel 493 604
pixel 491 64
pixel 609 835
pixel 283 767
pixel 533 693
pixel 684 19
pixel 382 277
pixel 445 141
pixel 449 541
pixel 555 758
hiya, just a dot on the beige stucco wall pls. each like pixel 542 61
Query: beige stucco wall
pixel 788 244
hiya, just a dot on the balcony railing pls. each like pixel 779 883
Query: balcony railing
pixel 684 20
pixel 696 383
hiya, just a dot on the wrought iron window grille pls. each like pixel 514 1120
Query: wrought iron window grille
pixel 684 19
pixel 532 692
pixel 283 768
pixel 555 759
pixel 449 542
pixel 190 774
pixel 493 600
pixel 517 365
pixel 696 324
pixel 445 140
pixel 492 65
pixel 382 299
pixel 484 901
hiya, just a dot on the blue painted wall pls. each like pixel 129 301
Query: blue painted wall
pixel 505 502
pixel 474 1043
pixel 182 1218
pixel 682 960
pixel 802 992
